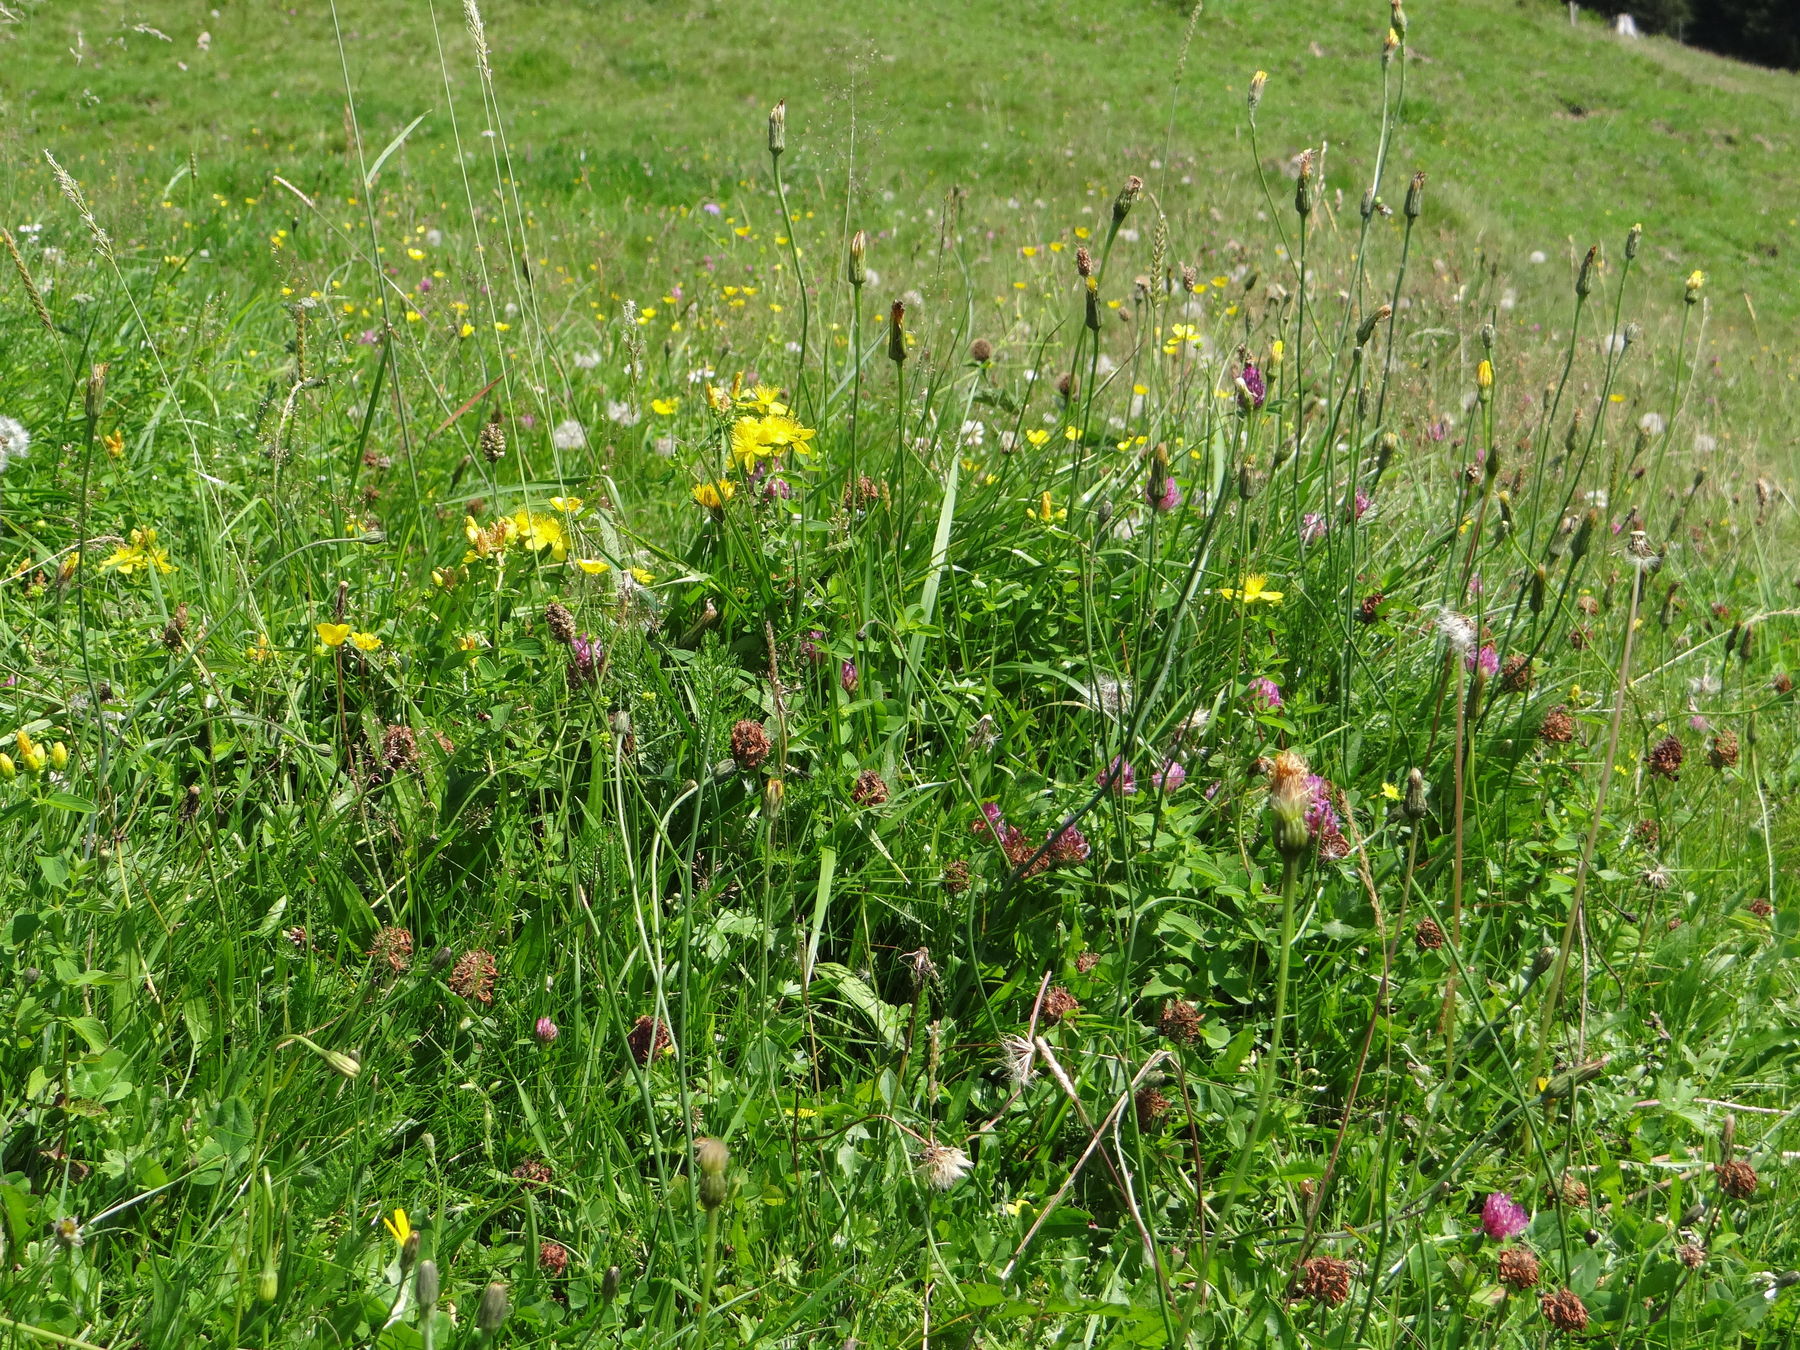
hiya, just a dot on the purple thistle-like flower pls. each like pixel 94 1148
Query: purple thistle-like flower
pixel 1162 494
pixel 1253 382
pixel 546 1031
pixel 848 678
pixel 585 659
pixel 1119 776
pixel 1312 527
pixel 1438 428
pixel 1503 1217
pixel 991 818
pixel 1487 661
pixel 1363 502
pixel 810 650
pixel 1265 694
pixel 1170 777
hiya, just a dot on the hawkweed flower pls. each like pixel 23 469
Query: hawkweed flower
pixel 941 1166
pixel 1118 777
pixel 1258 82
pixel 713 496
pixel 1696 281
pixel 399 1227
pixel 1254 591
pixel 1502 1217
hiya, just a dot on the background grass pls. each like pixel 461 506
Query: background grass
pixel 296 400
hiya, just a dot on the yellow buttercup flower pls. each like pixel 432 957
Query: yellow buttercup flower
pixel 593 566
pixel 260 650
pixel 1255 590
pixel 538 532
pixel 332 634
pixel 364 642
pixel 643 576
pixel 1037 436
pixel 664 407
pixel 569 506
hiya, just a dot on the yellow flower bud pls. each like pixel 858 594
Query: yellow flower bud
pixel 8 770
pixel 59 756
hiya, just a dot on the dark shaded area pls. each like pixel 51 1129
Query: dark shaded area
pixel 1766 32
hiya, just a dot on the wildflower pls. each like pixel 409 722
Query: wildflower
pixel 956 878
pixel 553 1258
pixel 1293 802
pixel 1724 752
pixel 568 435
pixel 665 407
pixel 1428 936
pixel 1017 1055
pixel 1691 1254
pixel 332 634
pixel 1736 1178
pixel 749 745
pixel 1458 631
pixel 1517 1268
pixel 648 1038
pixel 1484 663
pixel 399 1227
pixel 1046 512
pixel 713 496
pixel 1118 777
pixel 1516 673
pixel 848 678
pixel 67 1231
pixel 1254 590
pixel 1252 389
pixel 1564 1310
pixel 1695 281
pixel 538 532
pixel 621 413
pixel 586 661
pixel 364 642
pixel 1265 694
pixel 1180 1022
pixel 140 555
pixel 473 977
pixel 941 1166
pixel 1312 527
pixel 546 1031
pixel 1324 1279
pixel 1502 1217
pixel 1170 777
pixel 114 442
pixel 569 506
pixel 1058 1004
pixel 1665 758
pixel 15 441
pixel 870 789
pixel 593 566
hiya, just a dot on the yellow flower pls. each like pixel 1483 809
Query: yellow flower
pixel 1696 279
pixel 593 566
pixel 140 555
pixel 1046 512
pixel 643 576
pixel 470 642
pixel 260 650
pixel 1254 589
pixel 467 329
pixel 569 506
pixel 1390 791
pixel 115 444
pixel 364 642
pixel 399 1227
pixel 332 634
pixel 764 399
pixel 1277 350
pixel 538 532
pixel 1037 436
pixel 664 407
pixel 713 496
pixel 31 754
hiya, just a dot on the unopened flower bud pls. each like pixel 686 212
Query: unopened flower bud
pixel 1540 587
pixel 1696 280
pixel 94 403
pixel 492 1311
pixel 1127 198
pixel 773 791
pixel 1092 316
pixel 1413 803
pixel 1303 185
pixel 425 1285
pixel 268 1282
pixel 897 332
pixel 1584 279
pixel 1486 333
pixel 1633 237
pixel 1258 82
pixel 8 769
pixel 409 1252
pixel 858 269
pixel 1290 798
pixel 778 128
pixel 1397 19
pixel 1366 329
pixel 1484 381
pixel 609 1285
pixel 1584 534
pixel 59 756
pixel 1415 196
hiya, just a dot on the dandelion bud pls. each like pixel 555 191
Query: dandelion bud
pixel 897 332
pixel 1540 586
pixel 1666 615
pixel 1385 449
pixel 1092 318
pixel 492 1311
pixel 1486 333
pixel 347 1065
pixel 268 1283
pixel 1484 381
pixel 858 269
pixel 1258 82
pixel 1584 280
pixel 1303 185
pixel 1415 195
pixel 1246 482
pixel 1389 45
pixel 778 128
pixel 95 401
pixel 1696 280
pixel 409 1252
pixel 492 440
pixel 425 1285
pixel 1744 643
pixel 773 791
pixel 8 770
pixel 713 1158
pixel 1366 329
pixel 609 1285
pixel 1127 198
pixel 1084 262
pixel 1397 20
pixel 1633 237
pixel 1414 802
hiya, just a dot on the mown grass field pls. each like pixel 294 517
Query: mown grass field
pixel 1143 755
